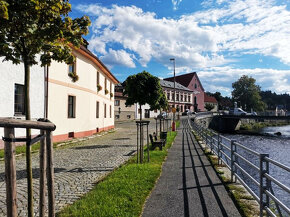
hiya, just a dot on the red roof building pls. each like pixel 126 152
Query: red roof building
pixel 192 82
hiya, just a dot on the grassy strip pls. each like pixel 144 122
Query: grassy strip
pixel 242 199
pixel 21 149
pixel 122 192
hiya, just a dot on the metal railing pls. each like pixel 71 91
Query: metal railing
pixel 239 158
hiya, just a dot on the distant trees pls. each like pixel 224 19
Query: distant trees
pixel 223 102
pixel 247 93
pixel 209 106
pixel 144 88
pixel 273 100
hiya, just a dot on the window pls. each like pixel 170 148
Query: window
pixel 177 97
pixel 110 111
pixel 128 116
pixel 188 98
pixel 173 95
pixel 105 83
pixel 105 110
pixel 110 87
pixel 97 109
pixel 117 102
pixel 181 97
pixel 195 100
pixel 117 116
pixel 185 98
pixel 195 85
pixel 139 111
pixel 98 78
pixel 71 106
pixel 72 68
pixel 19 108
pixel 168 96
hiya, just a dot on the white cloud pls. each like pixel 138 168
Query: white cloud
pixel 118 57
pixel 176 3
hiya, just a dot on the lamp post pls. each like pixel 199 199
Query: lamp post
pixel 173 122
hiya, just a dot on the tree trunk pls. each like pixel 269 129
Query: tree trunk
pixel 28 136
pixel 140 112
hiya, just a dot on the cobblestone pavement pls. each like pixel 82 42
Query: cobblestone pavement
pixel 77 167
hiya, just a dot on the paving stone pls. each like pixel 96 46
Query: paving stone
pixel 77 166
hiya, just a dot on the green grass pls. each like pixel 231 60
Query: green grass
pixel 22 149
pixel 122 192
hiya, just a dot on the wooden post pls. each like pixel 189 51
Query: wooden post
pixel 50 175
pixel 10 173
pixel 42 179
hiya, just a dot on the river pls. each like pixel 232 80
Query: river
pixel 278 148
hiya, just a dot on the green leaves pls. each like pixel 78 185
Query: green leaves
pixel 3 10
pixel 247 93
pixel 144 88
pixel 30 27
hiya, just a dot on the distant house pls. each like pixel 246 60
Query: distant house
pixel 183 99
pixel 121 111
pixel 76 108
pixel 212 101
pixel 192 82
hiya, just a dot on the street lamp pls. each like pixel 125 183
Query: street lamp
pixel 173 122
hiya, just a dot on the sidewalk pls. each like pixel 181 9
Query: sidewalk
pixel 188 185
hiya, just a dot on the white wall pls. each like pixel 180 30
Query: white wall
pixel 11 74
pixel 146 106
pixel 85 91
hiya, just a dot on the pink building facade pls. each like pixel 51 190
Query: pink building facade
pixel 192 82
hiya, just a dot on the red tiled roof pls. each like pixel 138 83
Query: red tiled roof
pixel 209 99
pixel 185 79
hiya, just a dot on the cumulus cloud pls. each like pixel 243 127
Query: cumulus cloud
pixel 118 57
pixel 222 78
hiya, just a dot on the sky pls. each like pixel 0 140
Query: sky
pixel 221 40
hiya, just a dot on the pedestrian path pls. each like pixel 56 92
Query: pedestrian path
pixel 188 185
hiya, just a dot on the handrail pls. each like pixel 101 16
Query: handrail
pixel 264 183
pixel 42 124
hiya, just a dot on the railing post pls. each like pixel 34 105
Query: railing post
pixel 219 148
pixel 50 175
pixel 264 183
pixel 42 179
pixel 10 173
pixel 233 159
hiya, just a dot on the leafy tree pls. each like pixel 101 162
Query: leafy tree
pixel 223 102
pixel 143 88
pixel 247 93
pixel 161 104
pixel 209 106
pixel 33 28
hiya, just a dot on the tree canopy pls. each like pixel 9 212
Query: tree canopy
pixel 247 94
pixel 209 106
pixel 143 88
pixel 31 27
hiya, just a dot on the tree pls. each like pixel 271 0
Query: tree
pixel 247 93
pixel 33 28
pixel 161 104
pixel 209 106
pixel 143 88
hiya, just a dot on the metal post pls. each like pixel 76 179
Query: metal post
pixel 137 142
pixel 148 157
pixel 42 172
pixel 264 183
pixel 233 159
pixel 219 149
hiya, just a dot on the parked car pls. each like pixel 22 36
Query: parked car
pixel 162 115
pixel 237 111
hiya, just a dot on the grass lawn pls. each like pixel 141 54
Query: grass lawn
pixel 122 192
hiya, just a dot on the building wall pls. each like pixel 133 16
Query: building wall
pixel 85 91
pixel 183 104
pixel 122 113
pixel 198 92
pixel 143 108
pixel 14 74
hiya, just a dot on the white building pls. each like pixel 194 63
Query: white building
pixel 146 113
pixel 76 108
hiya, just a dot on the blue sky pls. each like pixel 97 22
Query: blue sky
pixel 221 40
